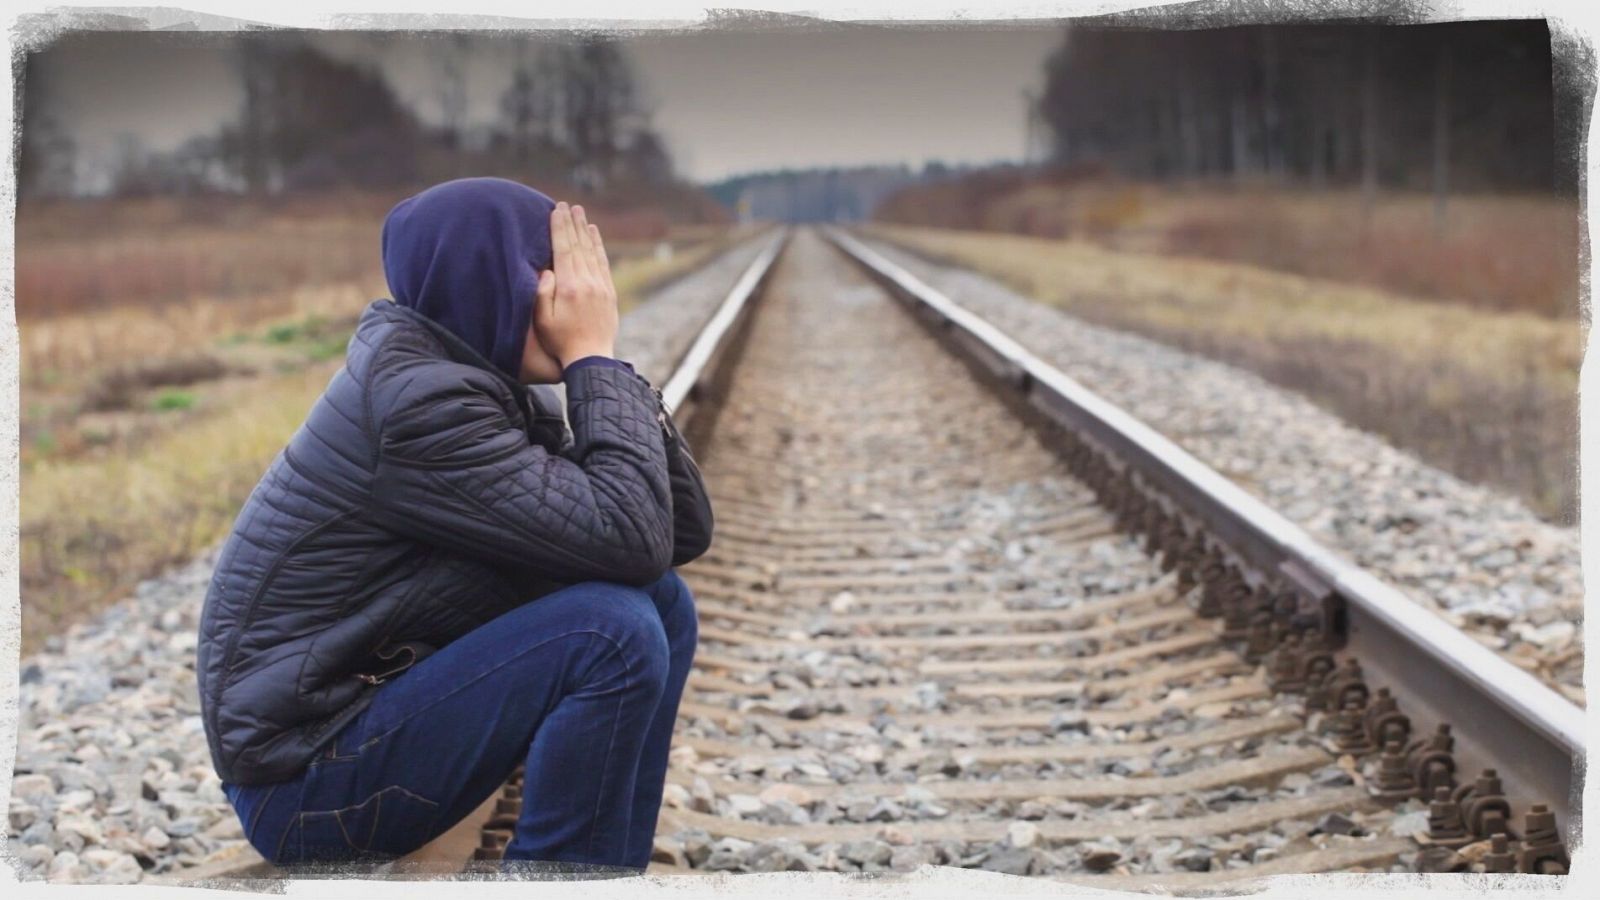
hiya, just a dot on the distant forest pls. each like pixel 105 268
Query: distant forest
pixel 307 121
pixel 1445 107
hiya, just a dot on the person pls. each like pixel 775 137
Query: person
pixel 437 581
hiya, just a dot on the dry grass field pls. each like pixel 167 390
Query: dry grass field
pixel 151 404
pixel 1488 394
pixel 1504 252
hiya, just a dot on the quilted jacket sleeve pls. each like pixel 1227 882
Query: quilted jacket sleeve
pixel 691 506
pixel 454 470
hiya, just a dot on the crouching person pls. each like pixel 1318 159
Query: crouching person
pixel 436 581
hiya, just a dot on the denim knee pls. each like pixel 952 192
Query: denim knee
pixel 679 615
pixel 627 617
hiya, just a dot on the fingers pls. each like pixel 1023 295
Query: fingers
pixel 544 302
pixel 602 261
pixel 562 242
pixel 581 222
pixel 584 241
pixel 578 248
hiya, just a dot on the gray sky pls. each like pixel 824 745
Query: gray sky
pixel 726 101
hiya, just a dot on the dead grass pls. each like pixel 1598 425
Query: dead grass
pixel 1491 396
pixel 1500 252
pixel 92 526
pixel 145 426
pixel 117 388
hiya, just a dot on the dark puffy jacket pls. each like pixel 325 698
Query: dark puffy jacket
pixel 426 494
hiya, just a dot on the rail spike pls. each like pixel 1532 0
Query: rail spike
pixel 1237 605
pixel 1284 665
pixel 1484 807
pixel 1499 860
pixel 1264 636
pixel 1433 762
pixel 1393 781
pixel 1445 826
pixel 1349 734
pixel 1385 722
pixel 1542 851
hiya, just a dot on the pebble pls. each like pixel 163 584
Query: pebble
pixel 1010 861
pixel 1022 835
pixel 909 858
pixel 867 852
pixel 112 866
pixel 744 804
pixel 1410 824
pixel 1197 859
pixel 1338 823
pixel 1099 859
pixel 66 867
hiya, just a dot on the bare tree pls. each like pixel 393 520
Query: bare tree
pixel 451 85
pixel 1369 121
pixel 1346 103
pixel 47 157
pixel 1441 137
pixel 308 120
pixel 530 105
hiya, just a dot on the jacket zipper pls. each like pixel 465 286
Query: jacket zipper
pixel 661 416
pixel 381 677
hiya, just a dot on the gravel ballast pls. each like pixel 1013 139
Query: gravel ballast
pixel 114 783
pixel 1478 557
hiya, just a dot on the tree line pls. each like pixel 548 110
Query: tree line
pixel 1442 107
pixel 572 112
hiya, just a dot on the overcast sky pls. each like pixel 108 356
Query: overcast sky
pixel 726 101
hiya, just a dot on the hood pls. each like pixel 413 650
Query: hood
pixel 467 255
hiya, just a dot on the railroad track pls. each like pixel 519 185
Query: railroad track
pixel 1030 636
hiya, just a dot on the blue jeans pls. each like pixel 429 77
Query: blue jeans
pixel 581 685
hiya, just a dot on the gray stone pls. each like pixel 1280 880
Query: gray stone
pixel 1099 859
pixel 780 856
pixel 67 868
pixel 1022 835
pixel 886 810
pixel 112 866
pixel 696 846
pixel 864 852
pixel 1009 860
pixel 1410 824
pixel 701 797
pixel 1032 809
pixel 155 839
pixel 32 787
pixel 668 851
pixel 35 857
pixel 744 804
pixel 728 855
pixel 21 815
pixel 1338 823
pixel 83 827
pixel 909 858
pixel 1195 859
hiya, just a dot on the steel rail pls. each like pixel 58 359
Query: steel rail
pixel 690 390
pixel 698 364
pixel 1503 717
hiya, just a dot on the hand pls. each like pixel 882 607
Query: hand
pixel 575 312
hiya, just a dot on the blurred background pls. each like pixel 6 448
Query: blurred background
pixel 1382 217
